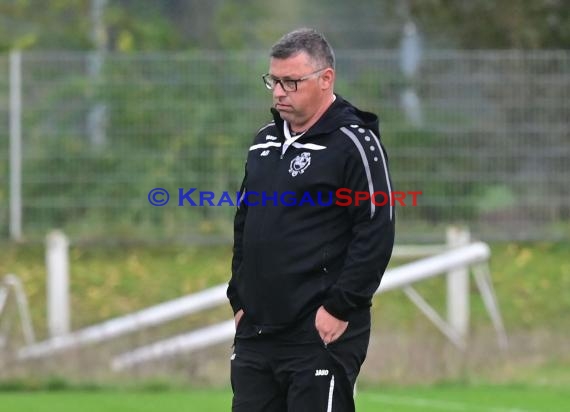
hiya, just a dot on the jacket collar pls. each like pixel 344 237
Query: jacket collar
pixel 340 113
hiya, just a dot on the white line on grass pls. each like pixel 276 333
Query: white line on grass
pixel 441 405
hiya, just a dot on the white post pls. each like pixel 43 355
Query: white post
pixel 410 56
pixel 458 285
pixel 57 263
pixel 15 145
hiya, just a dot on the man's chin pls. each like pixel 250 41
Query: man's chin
pixel 285 115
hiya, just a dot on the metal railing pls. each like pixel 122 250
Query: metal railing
pixel 455 262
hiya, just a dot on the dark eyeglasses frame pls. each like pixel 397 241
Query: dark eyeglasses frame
pixel 288 85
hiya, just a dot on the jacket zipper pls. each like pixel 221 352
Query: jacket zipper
pixel 325 258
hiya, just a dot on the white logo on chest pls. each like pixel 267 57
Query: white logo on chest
pixel 322 372
pixel 299 164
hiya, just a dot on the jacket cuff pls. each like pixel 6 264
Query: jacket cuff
pixel 336 310
pixel 235 304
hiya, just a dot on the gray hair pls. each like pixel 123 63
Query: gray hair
pixel 305 40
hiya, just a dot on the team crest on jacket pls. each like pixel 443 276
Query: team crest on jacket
pixel 299 164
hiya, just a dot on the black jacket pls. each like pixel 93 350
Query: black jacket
pixel 288 260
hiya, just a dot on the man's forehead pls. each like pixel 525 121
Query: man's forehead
pixel 290 66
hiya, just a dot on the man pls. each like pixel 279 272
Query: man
pixel 304 271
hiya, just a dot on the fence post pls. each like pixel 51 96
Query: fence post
pixel 16 145
pixel 458 285
pixel 57 264
pixel 96 118
pixel 410 56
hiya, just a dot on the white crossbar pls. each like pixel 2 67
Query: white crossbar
pixel 188 342
pixel 434 265
pixel 145 318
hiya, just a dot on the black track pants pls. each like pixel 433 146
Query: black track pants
pixel 294 372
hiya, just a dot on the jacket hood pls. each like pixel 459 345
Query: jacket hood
pixel 340 113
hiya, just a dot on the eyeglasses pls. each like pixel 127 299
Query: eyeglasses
pixel 289 85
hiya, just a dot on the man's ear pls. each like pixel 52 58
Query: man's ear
pixel 326 78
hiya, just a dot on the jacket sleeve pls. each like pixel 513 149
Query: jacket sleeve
pixel 239 222
pixel 373 226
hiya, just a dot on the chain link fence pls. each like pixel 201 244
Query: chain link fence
pixel 485 136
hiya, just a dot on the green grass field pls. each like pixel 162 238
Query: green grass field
pixel 431 399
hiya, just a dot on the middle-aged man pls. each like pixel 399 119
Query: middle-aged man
pixel 305 268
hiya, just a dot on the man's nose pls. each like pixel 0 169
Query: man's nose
pixel 278 90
